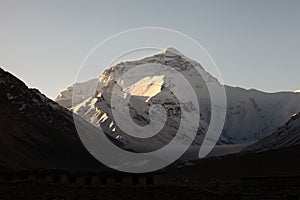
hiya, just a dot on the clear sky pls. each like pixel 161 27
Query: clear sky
pixel 255 43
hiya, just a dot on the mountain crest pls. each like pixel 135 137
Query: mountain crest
pixel 172 50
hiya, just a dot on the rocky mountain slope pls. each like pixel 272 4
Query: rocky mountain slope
pixel 36 132
pixel 286 135
pixel 251 114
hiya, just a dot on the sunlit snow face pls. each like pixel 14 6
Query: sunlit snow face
pixel 297 91
pixel 161 78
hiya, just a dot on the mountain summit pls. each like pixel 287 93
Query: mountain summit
pixel 172 50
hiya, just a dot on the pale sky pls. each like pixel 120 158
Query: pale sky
pixel 255 43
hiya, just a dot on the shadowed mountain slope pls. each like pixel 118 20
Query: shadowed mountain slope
pixel 36 132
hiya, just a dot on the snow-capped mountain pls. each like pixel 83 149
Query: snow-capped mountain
pixel 65 97
pixel 251 114
pixel 286 135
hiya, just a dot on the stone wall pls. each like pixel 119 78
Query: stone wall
pixel 81 179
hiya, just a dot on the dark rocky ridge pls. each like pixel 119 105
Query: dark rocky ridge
pixel 36 132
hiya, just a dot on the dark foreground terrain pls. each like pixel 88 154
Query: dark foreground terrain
pixel 265 175
pixel 59 192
